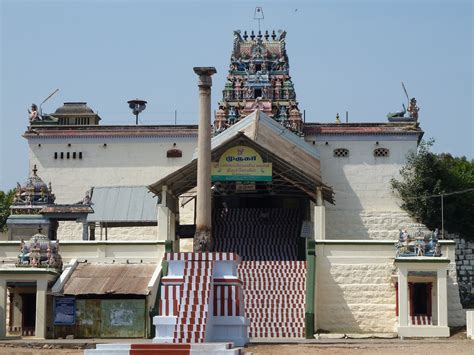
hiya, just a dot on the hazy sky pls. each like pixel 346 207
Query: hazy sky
pixel 344 55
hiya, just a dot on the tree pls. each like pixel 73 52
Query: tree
pixel 6 200
pixel 427 174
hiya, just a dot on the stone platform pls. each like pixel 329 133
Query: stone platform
pixel 176 349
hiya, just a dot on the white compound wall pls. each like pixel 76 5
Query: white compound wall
pixel 355 290
pixel 365 207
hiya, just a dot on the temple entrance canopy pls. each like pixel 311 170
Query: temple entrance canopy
pixel 295 164
pixel 263 179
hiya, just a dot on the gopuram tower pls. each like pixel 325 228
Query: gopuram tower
pixel 259 79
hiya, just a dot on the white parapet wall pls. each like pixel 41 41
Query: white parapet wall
pixel 96 251
pixel 355 291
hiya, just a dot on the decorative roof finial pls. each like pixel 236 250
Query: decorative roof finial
pixel 274 36
pixel 245 35
pixel 40 229
pixel 258 15
pixel 266 35
pixel 34 170
pixel 337 118
pixel 252 35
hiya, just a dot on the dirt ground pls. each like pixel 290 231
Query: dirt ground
pixel 385 347
pixel 456 344
pixel 453 347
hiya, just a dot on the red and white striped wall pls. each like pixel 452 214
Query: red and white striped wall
pixel 420 320
pixel 217 256
pixel 194 300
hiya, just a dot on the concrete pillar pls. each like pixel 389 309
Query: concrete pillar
pixel 319 216
pixel 3 308
pixel 402 297
pixel 442 298
pixel 163 216
pixel 41 315
pixel 203 237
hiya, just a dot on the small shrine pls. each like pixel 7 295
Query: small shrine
pixel 34 194
pixel 39 251
pixel 25 212
pixel 420 280
pixel 34 204
pixel 259 79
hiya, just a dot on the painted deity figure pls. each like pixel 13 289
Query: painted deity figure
pixel 33 114
pixel 413 109
pixel 24 256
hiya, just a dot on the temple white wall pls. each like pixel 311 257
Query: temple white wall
pixel 122 162
pixel 71 230
pixel 355 292
pixel 365 207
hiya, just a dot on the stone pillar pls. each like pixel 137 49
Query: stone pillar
pixel 203 237
pixel 442 298
pixel 40 327
pixel 319 216
pixel 402 297
pixel 3 308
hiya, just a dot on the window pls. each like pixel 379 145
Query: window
pixel 381 152
pixel 80 155
pixel 55 155
pixel 258 93
pixel 74 155
pixel 258 67
pixel 62 155
pixel 341 152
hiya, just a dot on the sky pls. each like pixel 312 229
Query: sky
pixel 344 56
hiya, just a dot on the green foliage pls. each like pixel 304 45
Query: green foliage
pixel 427 174
pixel 6 200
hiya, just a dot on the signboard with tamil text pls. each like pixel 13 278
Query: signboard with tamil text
pixel 241 163
pixel 64 310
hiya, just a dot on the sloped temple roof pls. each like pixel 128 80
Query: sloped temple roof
pixel 294 161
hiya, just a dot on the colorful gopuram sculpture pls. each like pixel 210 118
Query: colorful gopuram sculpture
pixel 418 244
pixel 32 196
pixel 39 251
pixel 259 78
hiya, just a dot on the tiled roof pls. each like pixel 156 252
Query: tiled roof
pixel 110 131
pixel 361 128
pixel 106 279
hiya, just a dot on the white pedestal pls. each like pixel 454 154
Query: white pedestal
pixel 470 324
pixel 423 331
pixel 225 328
pixel 164 328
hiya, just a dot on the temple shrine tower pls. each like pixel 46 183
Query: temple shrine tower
pixel 259 79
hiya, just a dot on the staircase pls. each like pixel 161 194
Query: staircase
pixel 194 302
pixel 274 281
pixel 274 296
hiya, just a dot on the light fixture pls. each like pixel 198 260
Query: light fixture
pixel 137 106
